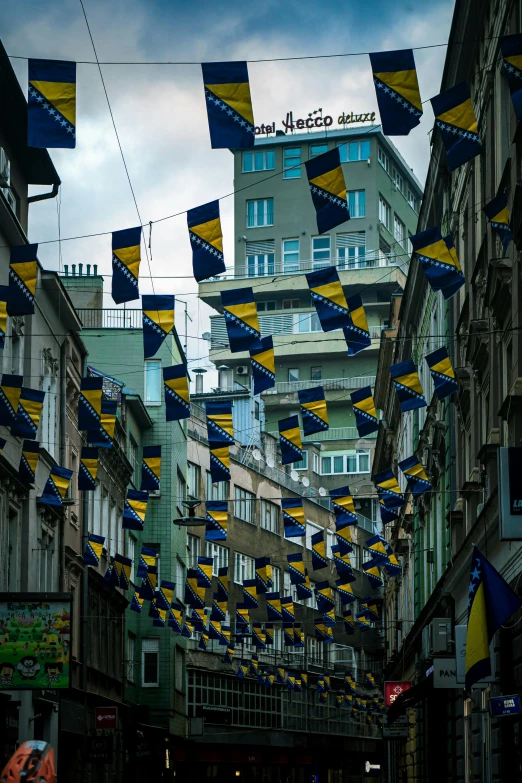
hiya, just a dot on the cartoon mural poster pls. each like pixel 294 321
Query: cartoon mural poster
pixel 35 638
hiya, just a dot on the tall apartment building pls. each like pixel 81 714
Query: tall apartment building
pixel 276 243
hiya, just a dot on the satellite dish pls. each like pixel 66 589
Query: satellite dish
pixel 270 462
pixel 256 454
pixel 305 481
pixel 294 475
pixel 322 491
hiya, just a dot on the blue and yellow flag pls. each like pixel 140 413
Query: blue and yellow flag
pixel 175 618
pixel 4 296
pixel 28 461
pixel 126 257
pixel 30 404
pixel 151 468
pixel 240 311
pixel 497 213
pixel 263 364
pixel 23 273
pixel 220 464
pixel 328 189
pixel 258 636
pixel 123 567
pixel 217 520
pixel 418 481
pixel 323 633
pixel 254 664
pixel 363 621
pixel 214 630
pixel 222 583
pixel 51 104
pixel 329 299
pixel 226 635
pixel 349 682
pixel 342 562
pixel 104 434
pixel 136 604
pixel 293 517
pixel 373 572
pixel 369 679
pixel 324 596
pixel 288 637
pixel 111 580
pixel 314 414
pixel 407 385
pixel 345 590
pixel 165 594
pixel 263 574
pixel 290 440
pixel 319 558
pixel 387 514
pixel 242 670
pixel 229 105
pixel 177 396
pixel 149 584
pixel 88 470
pixel 220 427
pixel 370 607
pixel 343 506
pixel 397 90
pixel 491 602
pixel 194 594
pixel 93 549
pixel 365 412
pixel 242 619
pixel 229 654
pixel 280 675
pixel 442 373
pixel 296 567
pixel 89 403
pixel 349 624
pixel 288 609
pixel 392 567
pixel 158 321
pixel 304 589
pixel 204 571
pixel 206 238
pixel 134 510
pixel 203 641
pixel 388 489
pixel 455 118
pixel 511 48
pixel 250 594
pixel 269 633
pixel 329 617
pixel 379 548
pixel 304 679
pixel 56 487
pixel 147 559
pixel 299 637
pixel 356 332
pixel 438 258
pixel 344 538
pixel 219 609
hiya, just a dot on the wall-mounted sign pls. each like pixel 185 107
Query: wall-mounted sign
pixel 445 673
pixel 510 493
pixel 99 749
pixel 393 689
pixel 313 122
pixel 398 730
pixel 35 637
pixel 106 717
pixel 500 706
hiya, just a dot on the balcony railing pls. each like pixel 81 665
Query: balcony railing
pixel 110 318
pixel 328 384
pixel 371 260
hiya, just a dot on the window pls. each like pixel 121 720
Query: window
pixel 306 322
pixel 260 213
pixel 293 374
pixel 399 181
pixel 357 203
pixel 316 464
pixel 180 576
pixel 193 550
pixel 152 382
pixel 351 462
pixel 220 555
pixel 318 149
pixel 355 556
pixel 150 663
pixel 399 230
pixel 243 568
pixel 276 579
pixel 384 160
pixel 181 491
pixel 314 650
pixel 290 255
pixel 194 479
pixel 259 265
pixel 179 668
pixel 131 651
pixel 330 542
pixel 354 150
pixel 316 373
pixel 131 549
pixel 291 304
pixel 262 160
pixel 264 307
pixel 132 451
pixel 321 251
pixel 413 201
pixel 292 163
pixel 384 212
pixel 351 250
pixel 269 516
pixel 244 506
pixel 301 464
pixel 219 491
pixel 311 530
pixel 257 412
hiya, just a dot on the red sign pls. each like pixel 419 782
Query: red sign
pixel 106 717
pixel 392 690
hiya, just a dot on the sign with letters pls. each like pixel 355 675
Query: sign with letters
pixel 314 122
pixel 510 493
pixel 501 706
pixel 445 673
pixel 393 689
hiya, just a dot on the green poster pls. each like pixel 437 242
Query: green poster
pixel 35 640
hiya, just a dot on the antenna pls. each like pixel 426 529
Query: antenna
pixel 270 462
pixel 256 454
pixel 294 475
pixel 322 491
pixel 305 481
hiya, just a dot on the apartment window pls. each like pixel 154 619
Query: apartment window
pixel 291 304
pixel 193 549
pixel 330 542
pixel 320 252
pixel 413 201
pixel 262 160
pixel 131 651
pixel 316 464
pixel 132 451
pixel 311 530
pixel 354 150
pixel 266 307
pixel 351 250
pixel 301 464
pixel 384 160
pixel 290 255
pixel 276 579
pixel 180 575
pixel 181 490
pixel 243 568
pixel 219 491
pixel 367 555
pixel 292 163
pixel 293 374
pixel 316 373
pixel 318 149
pixel 244 505
pixel 194 479
pixel 131 549
pixel 409 246
pixel 269 516
pixel 351 462
pixel 399 230
pixel 355 556
pixel 357 203
pixel 152 382
pixel 314 650
pixel 384 212
pixel 179 668
pixel 260 264
pixel 307 322
pixel 220 555
pixel 150 663
pixel 260 213
pixel 399 181
pixel 257 412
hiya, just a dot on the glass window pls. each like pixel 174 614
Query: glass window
pixel 352 257
pixel 243 568
pixel 193 550
pixel 384 160
pixel 260 160
pixel 179 668
pixel 399 230
pixel 220 555
pixel 338 464
pixel 131 548
pixel 131 652
pixel 293 374
pixel 357 203
pixel 290 304
pixel 354 150
pixel 413 201
pixel 351 462
pixel 399 181
pixel 311 530
pixel 290 255
pixel 276 579
pixel 194 478
pixel 321 252
pixel 132 456
pixel 260 213
pixel 257 412
pixel 292 163
pixel 152 382
pixel 307 322
pixel 302 464
pixel 384 212
pixel 150 663
pixel 316 465
pixel 318 149
pixel 244 505
pixel 316 373
pixel 260 264
pixel 263 307
pixel 269 516
pixel 219 491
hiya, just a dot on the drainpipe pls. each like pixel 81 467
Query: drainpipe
pixel 44 196
pixel 63 456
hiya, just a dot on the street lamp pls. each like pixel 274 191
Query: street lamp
pixel 191 520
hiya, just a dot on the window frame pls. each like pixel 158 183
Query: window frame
pixel 305 460
pixel 220 555
pixel 130 658
pixel 384 206
pixel 243 567
pixel 146 402
pixel 261 262
pixel 293 370
pixel 290 267
pixel 267 214
pixel 359 202
pixel 274 525
pixel 313 155
pixel 313 372
pixel 197 475
pixel 345 148
pixel 292 171
pixel 253 153
pixel 359 455
pixel 249 503
pixel 321 263
pixel 156 641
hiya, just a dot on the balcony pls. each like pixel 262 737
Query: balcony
pixel 111 318
pixel 371 260
pixel 328 384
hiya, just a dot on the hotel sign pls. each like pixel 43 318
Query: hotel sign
pixel 291 124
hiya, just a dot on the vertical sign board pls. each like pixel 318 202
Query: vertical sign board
pixel 35 638
pixel 399 728
pixel 510 492
pixel 393 689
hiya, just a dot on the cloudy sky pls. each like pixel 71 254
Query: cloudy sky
pixel 160 109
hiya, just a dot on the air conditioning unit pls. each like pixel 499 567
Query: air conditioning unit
pixel 436 637
pixel 242 369
pixel 5 169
